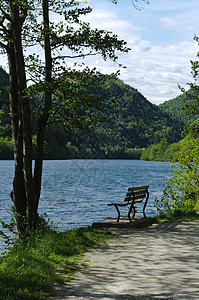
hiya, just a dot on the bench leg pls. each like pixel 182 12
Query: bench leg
pixel 118 218
pixel 145 204
pixel 129 214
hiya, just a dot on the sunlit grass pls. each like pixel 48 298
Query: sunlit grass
pixel 177 216
pixel 31 268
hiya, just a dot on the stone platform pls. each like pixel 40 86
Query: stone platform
pixel 123 223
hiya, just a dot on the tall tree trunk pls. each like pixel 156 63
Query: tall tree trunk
pixel 26 188
pixel 42 122
pixel 18 193
pixel 23 193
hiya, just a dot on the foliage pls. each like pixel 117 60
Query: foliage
pixel 181 194
pixel 191 106
pixel 6 148
pixel 60 92
pixel 31 267
pixel 174 108
pixel 130 123
pixel 162 151
pixel 5 127
pixel 4 91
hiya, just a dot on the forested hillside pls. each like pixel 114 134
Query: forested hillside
pixel 131 123
pixel 6 148
pixel 174 108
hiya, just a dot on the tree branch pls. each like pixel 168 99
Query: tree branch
pixel 75 56
pixel 2 45
pixel 5 15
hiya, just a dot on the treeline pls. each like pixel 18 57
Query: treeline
pixel 6 146
pixel 161 151
pixel 174 106
pixel 130 123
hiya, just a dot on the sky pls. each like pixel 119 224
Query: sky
pixel 160 36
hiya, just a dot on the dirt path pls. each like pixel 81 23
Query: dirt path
pixel 161 262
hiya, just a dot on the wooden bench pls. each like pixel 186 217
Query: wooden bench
pixel 134 195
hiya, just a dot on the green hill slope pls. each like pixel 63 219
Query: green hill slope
pixel 132 123
pixel 173 107
pixel 6 148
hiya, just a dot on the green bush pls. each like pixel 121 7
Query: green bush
pixel 181 195
pixel 161 151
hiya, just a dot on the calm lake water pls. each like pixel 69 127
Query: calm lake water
pixel 76 192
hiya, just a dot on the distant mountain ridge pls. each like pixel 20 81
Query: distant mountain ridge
pixel 133 123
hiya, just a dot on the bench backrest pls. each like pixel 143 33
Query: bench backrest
pixel 137 194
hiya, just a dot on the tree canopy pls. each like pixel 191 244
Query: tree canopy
pixel 51 26
pixel 181 195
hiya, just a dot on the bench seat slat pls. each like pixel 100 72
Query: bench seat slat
pixel 144 187
pixel 118 203
pixel 140 196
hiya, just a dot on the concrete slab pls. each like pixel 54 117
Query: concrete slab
pixel 123 223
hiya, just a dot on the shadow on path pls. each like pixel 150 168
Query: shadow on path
pixel 160 262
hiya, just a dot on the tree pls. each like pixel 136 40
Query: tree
pixel 13 16
pixel 182 191
pixel 61 92
pixel 181 194
pixel 191 106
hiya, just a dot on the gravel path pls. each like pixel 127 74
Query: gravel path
pixel 160 262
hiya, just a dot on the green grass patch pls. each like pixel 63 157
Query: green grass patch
pixel 177 216
pixel 31 268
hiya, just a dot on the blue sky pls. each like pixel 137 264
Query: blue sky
pixel 161 40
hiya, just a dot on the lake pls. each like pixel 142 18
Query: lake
pixel 76 192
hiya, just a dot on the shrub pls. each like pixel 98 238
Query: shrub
pixel 181 194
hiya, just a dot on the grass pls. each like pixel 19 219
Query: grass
pixel 31 268
pixel 177 216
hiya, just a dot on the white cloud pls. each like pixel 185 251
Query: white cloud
pixel 158 72
pixel 154 69
pixel 177 23
pixel 169 22
pixel 156 64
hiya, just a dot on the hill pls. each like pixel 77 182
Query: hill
pixel 132 123
pixel 173 107
pixel 4 88
pixel 6 148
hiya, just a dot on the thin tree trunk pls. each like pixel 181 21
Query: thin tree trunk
pixel 42 122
